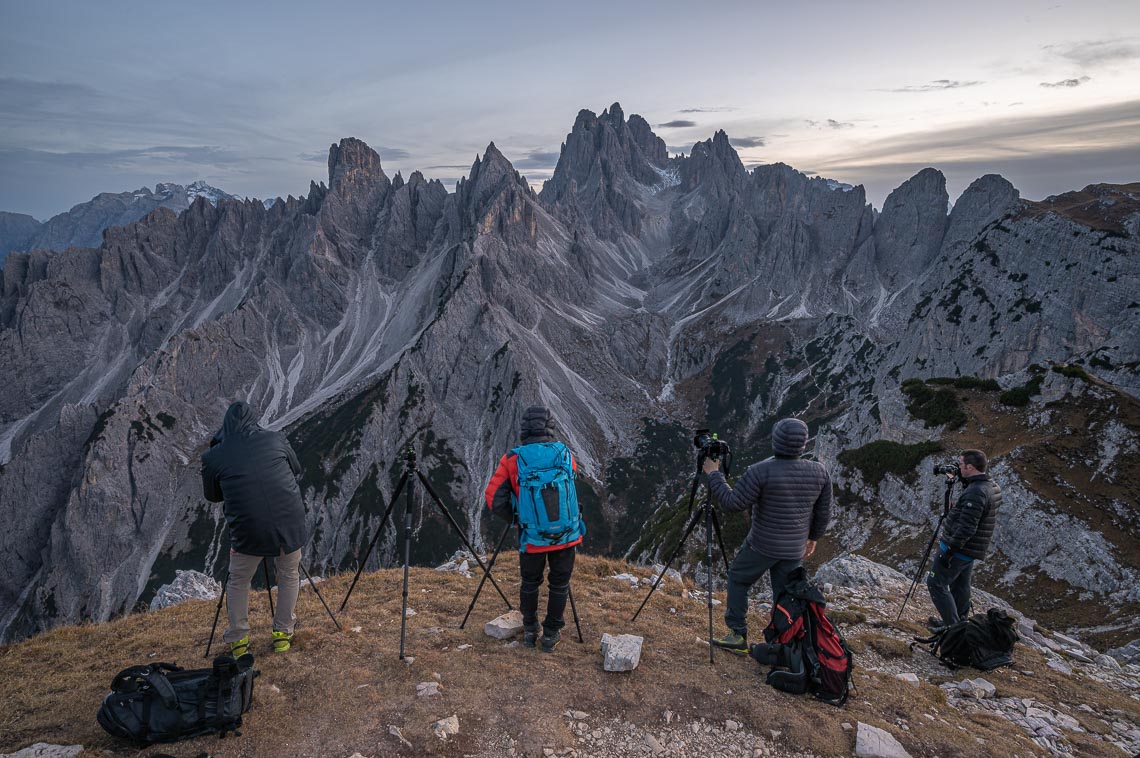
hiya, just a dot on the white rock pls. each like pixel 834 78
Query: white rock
pixel 654 745
pixel 909 678
pixel 621 652
pixel 510 624
pixel 1059 666
pixel 427 689
pixel 395 732
pixel 872 742
pixel 977 688
pixel 633 580
pixel 1108 662
pixel 445 728
pixel 410 612
pixel 187 585
pixel 45 750
pixel 464 646
pixel 731 725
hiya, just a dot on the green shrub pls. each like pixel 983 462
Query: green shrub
pixel 876 459
pixel 934 407
pixel 1073 372
pixel 1018 397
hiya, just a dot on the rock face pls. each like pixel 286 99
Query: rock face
pixel 44 750
pixel 187 585
pixel 638 296
pixel 15 231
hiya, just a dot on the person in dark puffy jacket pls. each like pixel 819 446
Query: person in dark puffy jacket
pixel 790 501
pixel 254 471
pixel 501 495
pixel 966 536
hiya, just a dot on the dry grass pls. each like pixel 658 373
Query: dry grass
pixel 336 693
pixel 888 647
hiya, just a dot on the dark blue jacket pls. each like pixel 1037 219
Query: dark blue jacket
pixel 255 472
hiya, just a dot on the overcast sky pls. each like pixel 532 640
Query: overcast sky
pixel 110 96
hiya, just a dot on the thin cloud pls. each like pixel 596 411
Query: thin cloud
pixel 679 149
pixel 200 155
pixel 1067 82
pixel 392 153
pixel 1097 52
pixel 714 109
pixel 934 86
pixel 676 124
pixel 540 159
pixel 830 124
pixel 449 167
pixel 746 142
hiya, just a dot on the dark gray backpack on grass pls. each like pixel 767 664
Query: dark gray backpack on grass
pixel 161 702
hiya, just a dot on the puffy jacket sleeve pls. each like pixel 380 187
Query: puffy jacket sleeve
pixel 821 511
pixel 746 493
pixel 503 484
pixel 963 520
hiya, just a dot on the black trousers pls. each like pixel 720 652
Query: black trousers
pixel 531 566
pixel 950 588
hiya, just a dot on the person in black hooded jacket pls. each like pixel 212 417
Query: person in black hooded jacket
pixel 966 536
pixel 790 501
pixel 254 471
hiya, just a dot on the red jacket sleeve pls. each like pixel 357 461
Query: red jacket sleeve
pixel 503 484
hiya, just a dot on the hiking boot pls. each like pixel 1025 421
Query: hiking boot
pixel 282 641
pixel 240 648
pixel 550 640
pixel 733 642
pixel 530 635
pixel 934 623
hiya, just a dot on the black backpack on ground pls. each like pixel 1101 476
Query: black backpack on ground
pixel 807 652
pixel 984 641
pixel 161 702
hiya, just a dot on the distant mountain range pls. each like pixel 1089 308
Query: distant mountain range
pixel 639 296
pixel 83 225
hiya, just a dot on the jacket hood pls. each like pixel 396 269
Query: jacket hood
pixel 239 422
pixel 789 437
pixel 537 425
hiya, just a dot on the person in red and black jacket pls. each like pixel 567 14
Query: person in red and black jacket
pixel 501 495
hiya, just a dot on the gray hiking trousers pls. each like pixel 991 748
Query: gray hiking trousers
pixel 242 569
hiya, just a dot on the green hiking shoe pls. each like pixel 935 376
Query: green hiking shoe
pixel 240 648
pixel 282 641
pixel 733 642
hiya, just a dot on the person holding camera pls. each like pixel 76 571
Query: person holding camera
pixel 254 471
pixel 533 486
pixel 790 501
pixel 966 536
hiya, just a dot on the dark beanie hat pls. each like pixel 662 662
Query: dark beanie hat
pixel 537 425
pixel 789 437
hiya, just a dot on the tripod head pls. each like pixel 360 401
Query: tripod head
pixel 410 457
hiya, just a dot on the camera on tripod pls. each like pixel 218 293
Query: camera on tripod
pixel 950 469
pixel 710 446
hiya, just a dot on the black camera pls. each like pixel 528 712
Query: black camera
pixel 710 446
pixel 946 468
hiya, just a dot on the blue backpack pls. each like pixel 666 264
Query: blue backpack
pixel 547 503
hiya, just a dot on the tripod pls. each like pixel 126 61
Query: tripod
pixel 269 594
pixel 410 480
pixel 487 575
pixel 706 513
pixel 930 546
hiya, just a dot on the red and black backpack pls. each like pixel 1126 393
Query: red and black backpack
pixel 807 652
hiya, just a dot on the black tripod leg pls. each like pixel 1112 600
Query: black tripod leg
pixel 407 563
pixel 217 614
pixel 268 586
pixel 486 573
pixel 466 542
pixel 319 596
pixel 688 530
pixel 709 521
pixel 929 547
pixel 375 538
pixel 574 610
pixel 719 538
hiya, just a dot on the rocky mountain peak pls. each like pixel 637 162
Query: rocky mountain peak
pixel 987 199
pixel 909 232
pixel 714 164
pixel 353 165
